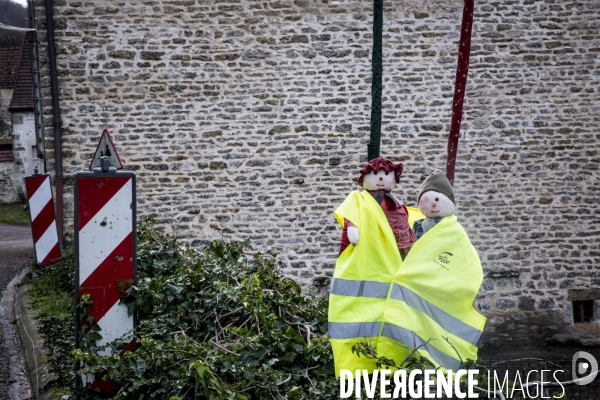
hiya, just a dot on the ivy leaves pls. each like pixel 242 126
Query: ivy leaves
pixel 218 323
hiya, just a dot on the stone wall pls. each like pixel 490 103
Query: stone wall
pixel 8 192
pixel 5 126
pixel 25 150
pixel 255 116
pixel 21 135
pixel 7 187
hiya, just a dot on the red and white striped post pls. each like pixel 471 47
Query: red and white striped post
pixel 43 221
pixel 105 246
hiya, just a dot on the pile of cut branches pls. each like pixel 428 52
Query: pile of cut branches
pixel 221 322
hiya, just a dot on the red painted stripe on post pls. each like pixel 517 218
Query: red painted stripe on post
pixel 43 221
pixel 102 283
pixel 53 255
pixel 33 183
pixel 94 193
pixel 108 387
pixel 130 347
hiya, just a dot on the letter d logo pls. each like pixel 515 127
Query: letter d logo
pixel 583 367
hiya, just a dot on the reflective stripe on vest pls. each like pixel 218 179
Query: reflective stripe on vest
pixel 347 287
pixel 445 320
pixel 412 340
pixel 351 330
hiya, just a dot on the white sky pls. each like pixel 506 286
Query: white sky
pixel 22 2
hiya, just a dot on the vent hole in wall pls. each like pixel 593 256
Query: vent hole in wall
pixel 583 311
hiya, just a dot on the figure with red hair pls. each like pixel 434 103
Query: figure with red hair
pixel 379 177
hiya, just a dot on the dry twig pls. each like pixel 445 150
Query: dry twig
pixel 223 348
pixel 454 348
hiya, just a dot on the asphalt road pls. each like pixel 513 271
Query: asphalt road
pixel 16 249
pixel 16 252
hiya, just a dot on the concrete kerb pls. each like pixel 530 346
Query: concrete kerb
pixel 29 369
pixel 20 387
pixel 36 352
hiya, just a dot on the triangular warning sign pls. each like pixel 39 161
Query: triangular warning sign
pixel 106 147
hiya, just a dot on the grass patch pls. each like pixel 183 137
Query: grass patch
pixel 14 214
pixel 47 300
pixel 51 293
pixel 51 288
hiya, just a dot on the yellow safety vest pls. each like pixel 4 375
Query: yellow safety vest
pixel 397 305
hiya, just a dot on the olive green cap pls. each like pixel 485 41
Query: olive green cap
pixel 437 182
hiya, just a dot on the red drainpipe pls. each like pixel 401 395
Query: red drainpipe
pixel 460 86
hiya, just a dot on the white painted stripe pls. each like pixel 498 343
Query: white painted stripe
pixel 40 198
pixel 46 242
pixel 115 324
pixel 103 233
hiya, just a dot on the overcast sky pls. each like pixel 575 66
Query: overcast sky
pixel 22 2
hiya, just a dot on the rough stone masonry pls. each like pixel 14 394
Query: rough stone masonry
pixel 254 115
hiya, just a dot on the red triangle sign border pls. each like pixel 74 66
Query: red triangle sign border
pixel 113 148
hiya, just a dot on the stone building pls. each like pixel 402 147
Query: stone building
pixel 18 143
pixel 255 116
pixel 9 64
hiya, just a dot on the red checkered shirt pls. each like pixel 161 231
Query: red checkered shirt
pixel 397 216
